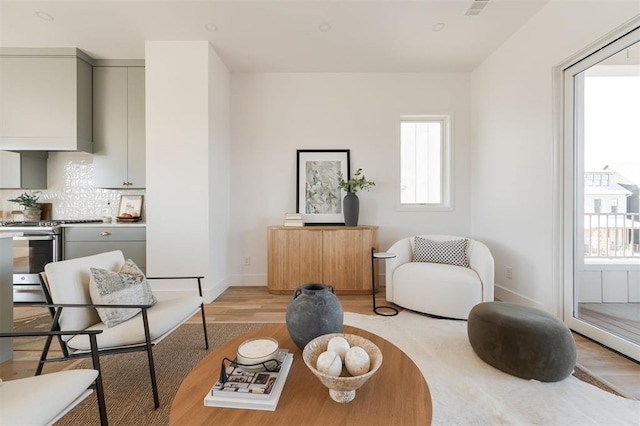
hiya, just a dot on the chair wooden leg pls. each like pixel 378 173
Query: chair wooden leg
pixel 204 327
pixel 152 367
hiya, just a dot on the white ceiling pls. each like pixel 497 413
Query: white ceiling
pixel 278 36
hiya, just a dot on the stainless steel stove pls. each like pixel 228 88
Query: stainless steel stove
pixel 39 244
pixel 42 226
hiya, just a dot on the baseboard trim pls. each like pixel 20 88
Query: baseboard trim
pixel 208 294
pixel 166 290
pixel 506 295
pixel 257 280
pixel 247 280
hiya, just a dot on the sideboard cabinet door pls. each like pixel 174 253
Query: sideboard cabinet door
pixel 334 255
pixel 294 258
pixel 346 259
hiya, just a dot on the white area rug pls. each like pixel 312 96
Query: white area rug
pixel 467 391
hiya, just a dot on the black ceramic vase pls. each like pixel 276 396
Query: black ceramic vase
pixel 351 209
pixel 313 311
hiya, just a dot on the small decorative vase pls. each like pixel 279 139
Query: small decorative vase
pixel 351 209
pixel 313 311
pixel 31 214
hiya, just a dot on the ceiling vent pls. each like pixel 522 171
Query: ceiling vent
pixel 476 7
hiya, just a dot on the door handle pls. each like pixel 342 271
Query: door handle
pixel 105 233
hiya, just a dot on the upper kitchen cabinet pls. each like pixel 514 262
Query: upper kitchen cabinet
pixel 45 99
pixel 24 170
pixel 118 127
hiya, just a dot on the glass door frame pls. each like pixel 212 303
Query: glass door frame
pixel 572 113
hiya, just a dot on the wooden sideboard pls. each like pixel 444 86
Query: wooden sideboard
pixel 334 255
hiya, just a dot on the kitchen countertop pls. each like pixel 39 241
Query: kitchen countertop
pixel 103 224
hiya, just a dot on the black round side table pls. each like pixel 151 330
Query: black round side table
pixel 391 311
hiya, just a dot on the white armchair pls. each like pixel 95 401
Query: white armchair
pixel 439 289
pixel 66 288
pixel 44 399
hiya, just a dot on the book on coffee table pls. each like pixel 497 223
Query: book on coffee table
pixel 242 381
pixel 250 389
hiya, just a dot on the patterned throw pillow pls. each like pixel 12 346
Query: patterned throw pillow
pixel 453 252
pixel 125 287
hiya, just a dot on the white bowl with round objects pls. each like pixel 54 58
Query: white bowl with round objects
pixel 342 388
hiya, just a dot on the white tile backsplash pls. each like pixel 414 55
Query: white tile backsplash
pixel 70 189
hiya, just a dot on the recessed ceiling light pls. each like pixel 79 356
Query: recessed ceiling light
pixel 211 27
pixel 438 27
pixel 325 27
pixel 44 15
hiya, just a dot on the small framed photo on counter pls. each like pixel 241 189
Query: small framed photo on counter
pixel 130 208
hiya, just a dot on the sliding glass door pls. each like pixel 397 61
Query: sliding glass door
pixel 602 190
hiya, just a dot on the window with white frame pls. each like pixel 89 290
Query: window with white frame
pixel 424 163
pixel 597 205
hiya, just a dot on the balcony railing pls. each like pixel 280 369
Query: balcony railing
pixel 612 235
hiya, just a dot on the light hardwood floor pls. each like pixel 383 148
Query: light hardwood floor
pixel 256 304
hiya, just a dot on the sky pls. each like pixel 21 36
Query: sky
pixel 612 121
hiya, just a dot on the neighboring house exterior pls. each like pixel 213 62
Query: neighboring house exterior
pixel 628 177
pixel 602 194
pixel 611 217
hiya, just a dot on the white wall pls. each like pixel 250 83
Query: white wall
pixel 513 155
pixel 273 115
pixel 185 130
pixel 219 146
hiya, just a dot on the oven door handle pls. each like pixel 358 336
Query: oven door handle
pixel 35 238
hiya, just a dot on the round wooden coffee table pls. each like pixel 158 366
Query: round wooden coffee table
pixel 396 394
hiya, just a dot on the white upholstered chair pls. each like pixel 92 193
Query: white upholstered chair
pixel 66 288
pixel 435 288
pixel 44 399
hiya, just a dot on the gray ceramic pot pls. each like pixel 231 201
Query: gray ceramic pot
pixel 313 311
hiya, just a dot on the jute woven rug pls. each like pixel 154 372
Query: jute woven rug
pixel 126 376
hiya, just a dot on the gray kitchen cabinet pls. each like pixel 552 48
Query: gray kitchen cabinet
pixel 119 127
pixel 23 170
pixel 46 99
pixel 6 293
pixel 79 241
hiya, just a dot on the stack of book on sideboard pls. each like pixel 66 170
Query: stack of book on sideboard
pixel 293 219
pixel 250 389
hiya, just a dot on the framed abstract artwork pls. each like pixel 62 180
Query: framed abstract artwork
pixel 318 196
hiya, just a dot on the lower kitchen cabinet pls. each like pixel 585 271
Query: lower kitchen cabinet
pixel 334 255
pixel 79 241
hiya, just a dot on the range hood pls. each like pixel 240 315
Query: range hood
pixel 45 99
